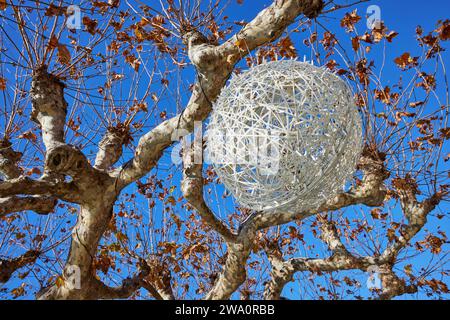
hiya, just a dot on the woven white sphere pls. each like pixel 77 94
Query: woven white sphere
pixel 284 135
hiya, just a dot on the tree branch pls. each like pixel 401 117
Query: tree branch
pixel 392 286
pixel 158 287
pixel 268 25
pixel 214 65
pixel 192 188
pixel 212 77
pixel 49 106
pixel 371 192
pixel 416 214
pixel 8 267
pixel 68 160
pixel 66 191
pixel 280 274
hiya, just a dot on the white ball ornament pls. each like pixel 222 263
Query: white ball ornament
pixel 284 135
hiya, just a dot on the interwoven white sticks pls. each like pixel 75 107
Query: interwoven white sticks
pixel 285 135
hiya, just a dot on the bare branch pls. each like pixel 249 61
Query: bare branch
pixel 26 186
pixel 39 204
pixel 8 267
pixel 68 160
pixel 160 290
pixel 280 274
pixel 212 77
pixel 93 220
pixel 109 150
pixel 214 65
pixel 268 25
pixel 392 285
pixel 330 235
pixel 192 188
pixel 416 213
pixel 128 287
pixel 371 192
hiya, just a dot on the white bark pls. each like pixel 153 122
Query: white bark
pixel 110 150
pixel 9 161
pixel 341 259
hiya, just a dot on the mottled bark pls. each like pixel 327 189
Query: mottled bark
pixel 9 161
pixel 110 150
pixel 371 192
pixel 92 187
pixel 214 65
pixel 9 266
pixel 416 214
pixel 280 274
pixel 10 169
pixel 341 259
pixel 93 218
pixel 49 107
pixel 67 191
